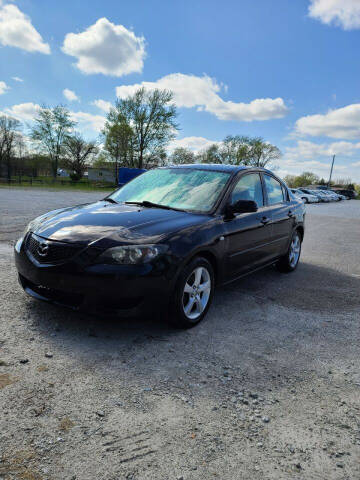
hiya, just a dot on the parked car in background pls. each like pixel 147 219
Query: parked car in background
pixel 332 195
pixel 126 174
pixel 342 197
pixel 317 193
pixel 347 193
pixel 163 241
pixel 306 197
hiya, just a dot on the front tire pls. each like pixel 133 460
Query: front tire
pixel 193 294
pixel 290 260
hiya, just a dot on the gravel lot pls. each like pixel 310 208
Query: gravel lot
pixel 268 387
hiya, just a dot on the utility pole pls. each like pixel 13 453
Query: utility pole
pixel 331 171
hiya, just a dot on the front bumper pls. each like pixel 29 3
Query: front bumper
pixel 124 290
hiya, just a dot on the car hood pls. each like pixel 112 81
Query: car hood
pixel 110 224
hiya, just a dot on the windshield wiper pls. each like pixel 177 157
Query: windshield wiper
pixel 148 204
pixel 108 199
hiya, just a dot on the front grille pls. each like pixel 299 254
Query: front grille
pixel 50 252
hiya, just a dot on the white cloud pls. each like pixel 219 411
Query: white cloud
pixel 89 121
pixel 16 30
pixel 106 48
pixel 102 104
pixel 203 93
pixel 316 157
pixel 28 111
pixel 291 167
pixel 306 149
pixel 70 95
pixel 17 79
pixel 340 123
pixel 3 88
pixel 23 111
pixel 195 144
pixel 343 13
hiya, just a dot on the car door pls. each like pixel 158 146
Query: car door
pixel 247 234
pixel 281 213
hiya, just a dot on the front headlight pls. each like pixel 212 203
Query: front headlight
pixel 33 225
pixel 131 254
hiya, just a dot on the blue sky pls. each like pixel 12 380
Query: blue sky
pixel 285 70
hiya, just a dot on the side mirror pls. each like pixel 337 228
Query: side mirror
pixel 242 206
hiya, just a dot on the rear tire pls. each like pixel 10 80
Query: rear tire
pixel 290 260
pixel 306 200
pixel 193 294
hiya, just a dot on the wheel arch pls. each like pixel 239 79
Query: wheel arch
pixel 300 229
pixel 210 257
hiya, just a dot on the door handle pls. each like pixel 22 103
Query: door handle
pixel 291 214
pixel 265 220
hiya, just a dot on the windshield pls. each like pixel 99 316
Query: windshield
pixel 180 188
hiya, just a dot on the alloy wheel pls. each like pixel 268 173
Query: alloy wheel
pixel 196 293
pixel 294 252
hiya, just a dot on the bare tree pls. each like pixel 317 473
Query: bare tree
pixel 9 138
pixel 182 155
pixel 77 152
pixel 151 115
pixel 52 126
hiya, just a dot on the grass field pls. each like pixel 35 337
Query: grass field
pixel 61 183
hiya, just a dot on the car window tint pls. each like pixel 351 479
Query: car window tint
pixel 274 190
pixel 248 188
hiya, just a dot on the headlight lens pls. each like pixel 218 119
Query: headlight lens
pixel 131 254
pixel 32 225
pixel 18 244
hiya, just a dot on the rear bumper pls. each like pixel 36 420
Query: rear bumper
pixel 125 290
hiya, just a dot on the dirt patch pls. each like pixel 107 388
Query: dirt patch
pixel 42 368
pixel 17 465
pixel 66 424
pixel 6 380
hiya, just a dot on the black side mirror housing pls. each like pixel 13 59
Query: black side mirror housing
pixel 241 206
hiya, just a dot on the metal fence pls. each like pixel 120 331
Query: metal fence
pixel 51 182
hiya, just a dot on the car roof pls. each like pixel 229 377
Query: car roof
pixel 218 167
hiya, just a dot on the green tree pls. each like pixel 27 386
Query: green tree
pixel 9 139
pixel 306 178
pixel 241 150
pixel 261 153
pixel 290 180
pixel 182 155
pixel 151 116
pixel 119 143
pixel 235 149
pixel 102 160
pixel 77 152
pixel 51 128
pixel 211 154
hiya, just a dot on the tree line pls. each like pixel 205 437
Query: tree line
pixel 137 133
pixel 310 178
pixel 55 143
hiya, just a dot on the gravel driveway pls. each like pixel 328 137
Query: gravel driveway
pixel 268 387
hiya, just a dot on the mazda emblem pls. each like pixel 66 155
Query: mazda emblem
pixel 43 249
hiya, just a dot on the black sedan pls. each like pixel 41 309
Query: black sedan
pixel 163 241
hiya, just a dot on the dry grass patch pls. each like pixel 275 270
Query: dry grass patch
pixel 6 380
